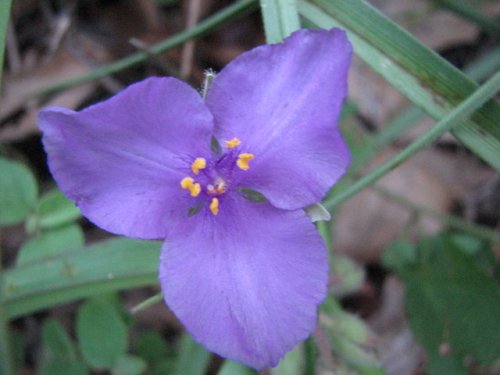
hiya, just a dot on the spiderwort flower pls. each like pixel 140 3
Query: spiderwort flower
pixel 244 275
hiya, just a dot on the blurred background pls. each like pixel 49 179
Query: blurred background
pixel 444 196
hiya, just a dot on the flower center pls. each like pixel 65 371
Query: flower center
pixel 211 181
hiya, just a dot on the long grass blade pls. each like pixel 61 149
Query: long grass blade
pixel 453 119
pixel 416 71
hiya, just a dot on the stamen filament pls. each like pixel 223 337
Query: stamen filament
pixel 243 160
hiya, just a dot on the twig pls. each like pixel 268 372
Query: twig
pixel 193 15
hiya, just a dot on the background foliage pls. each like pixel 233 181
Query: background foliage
pixel 64 285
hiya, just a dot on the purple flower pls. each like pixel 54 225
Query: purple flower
pixel 243 274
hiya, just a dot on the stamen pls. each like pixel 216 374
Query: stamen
pixel 214 206
pixel 235 142
pixel 243 160
pixel 198 164
pixel 188 183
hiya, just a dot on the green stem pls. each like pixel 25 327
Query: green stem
pixel 462 112
pixel 231 12
pixel 147 303
pixel 452 221
pixel 479 70
pixel 4 22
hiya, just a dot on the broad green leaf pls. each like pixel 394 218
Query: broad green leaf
pixel 235 368
pixel 101 333
pixel 50 243
pixel 348 276
pixel 57 341
pixel 350 339
pixel 58 352
pixel 54 210
pixel 152 347
pixel 399 255
pixel 193 358
pixel 106 266
pixel 292 364
pixel 59 366
pixel 452 302
pixel 18 191
pixel 129 365
pixel 415 70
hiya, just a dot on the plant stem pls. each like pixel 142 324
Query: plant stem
pixel 4 22
pixel 147 303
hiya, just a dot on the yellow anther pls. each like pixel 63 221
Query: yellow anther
pixel 243 160
pixel 198 164
pixel 188 183
pixel 214 206
pixel 233 143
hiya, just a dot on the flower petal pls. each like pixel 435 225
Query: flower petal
pixel 122 160
pixel 283 101
pixel 246 283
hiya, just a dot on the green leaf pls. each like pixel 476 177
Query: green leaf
pixel 235 368
pixel 4 21
pixel 102 334
pixel 18 191
pixel 415 70
pixel 152 347
pixel 399 255
pixel 55 210
pixel 57 341
pixel 350 339
pixel 106 266
pixel 129 365
pixel 348 275
pixel 59 355
pixel 193 358
pixel 452 302
pixel 292 364
pixel 50 243
pixel 280 19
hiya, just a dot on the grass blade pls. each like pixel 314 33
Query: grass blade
pixel 106 266
pixel 280 17
pixel 454 118
pixel 4 22
pixel 413 69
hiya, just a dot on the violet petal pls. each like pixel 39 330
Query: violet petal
pixel 122 160
pixel 283 102
pixel 246 283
